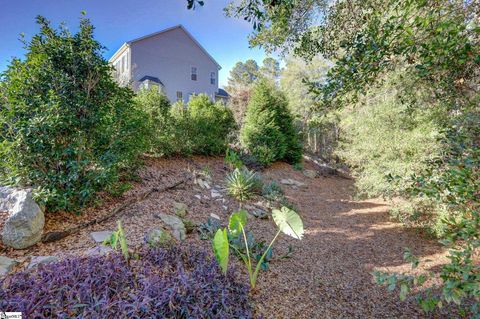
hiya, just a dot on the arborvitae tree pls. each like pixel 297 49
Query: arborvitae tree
pixel 268 131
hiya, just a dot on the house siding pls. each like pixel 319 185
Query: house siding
pixel 169 56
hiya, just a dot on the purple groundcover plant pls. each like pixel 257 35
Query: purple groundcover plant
pixel 163 283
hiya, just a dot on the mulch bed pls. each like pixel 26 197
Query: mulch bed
pixel 329 274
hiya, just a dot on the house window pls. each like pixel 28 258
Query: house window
pixel 179 96
pixel 123 64
pixel 212 78
pixel 194 74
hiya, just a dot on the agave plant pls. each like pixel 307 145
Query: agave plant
pixel 243 183
pixel 287 221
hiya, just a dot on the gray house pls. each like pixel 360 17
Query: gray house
pixel 171 60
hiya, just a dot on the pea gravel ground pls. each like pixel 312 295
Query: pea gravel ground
pixel 329 273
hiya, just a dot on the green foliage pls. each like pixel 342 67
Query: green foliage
pixel 237 222
pixel 287 221
pixel 383 139
pixel 220 249
pixel 272 191
pixel 118 240
pixel 256 249
pixel 209 228
pixel 268 132
pixel 458 285
pixel 159 120
pixel 270 69
pixel 233 159
pixel 67 128
pixel 243 74
pixel 243 183
pixel 202 127
pixel 421 127
pixel 199 127
pixel 294 83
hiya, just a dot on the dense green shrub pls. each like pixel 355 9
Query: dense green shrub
pixel 382 137
pixel 159 120
pixel 66 127
pixel 268 132
pixel 208 125
pixel 201 126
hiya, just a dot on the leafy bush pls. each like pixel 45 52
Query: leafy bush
pixel 243 183
pixel 287 221
pixel 233 159
pixel 173 283
pixel 272 191
pixel 202 127
pixel 208 229
pixel 199 127
pixel 67 128
pixel 160 122
pixel 268 132
pixel 452 181
pixel 383 137
pixel 118 240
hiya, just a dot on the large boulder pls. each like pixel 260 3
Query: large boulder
pixel 175 224
pixel 23 225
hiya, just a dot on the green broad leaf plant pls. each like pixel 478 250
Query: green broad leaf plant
pixel 287 221
pixel 118 240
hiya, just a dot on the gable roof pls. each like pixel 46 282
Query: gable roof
pixel 179 26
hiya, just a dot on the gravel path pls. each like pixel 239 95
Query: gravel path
pixel 328 275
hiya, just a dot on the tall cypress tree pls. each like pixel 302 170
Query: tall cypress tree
pixel 268 132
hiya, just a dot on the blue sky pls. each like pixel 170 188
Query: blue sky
pixel 118 21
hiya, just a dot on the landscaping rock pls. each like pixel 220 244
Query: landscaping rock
pixel 202 183
pixel 6 265
pixel 176 224
pixel 24 225
pixel 41 260
pixel 159 237
pixel 99 250
pixel 215 194
pixel 181 209
pixel 291 182
pixel 214 216
pixel 310 173
pixel 100 236
pixel 198 196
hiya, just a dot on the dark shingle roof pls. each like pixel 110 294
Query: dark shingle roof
pixel 151 78
pixel 222 92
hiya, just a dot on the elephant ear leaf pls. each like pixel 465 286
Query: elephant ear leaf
pixel 220 248
pixel 237 221
pixel 289 222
